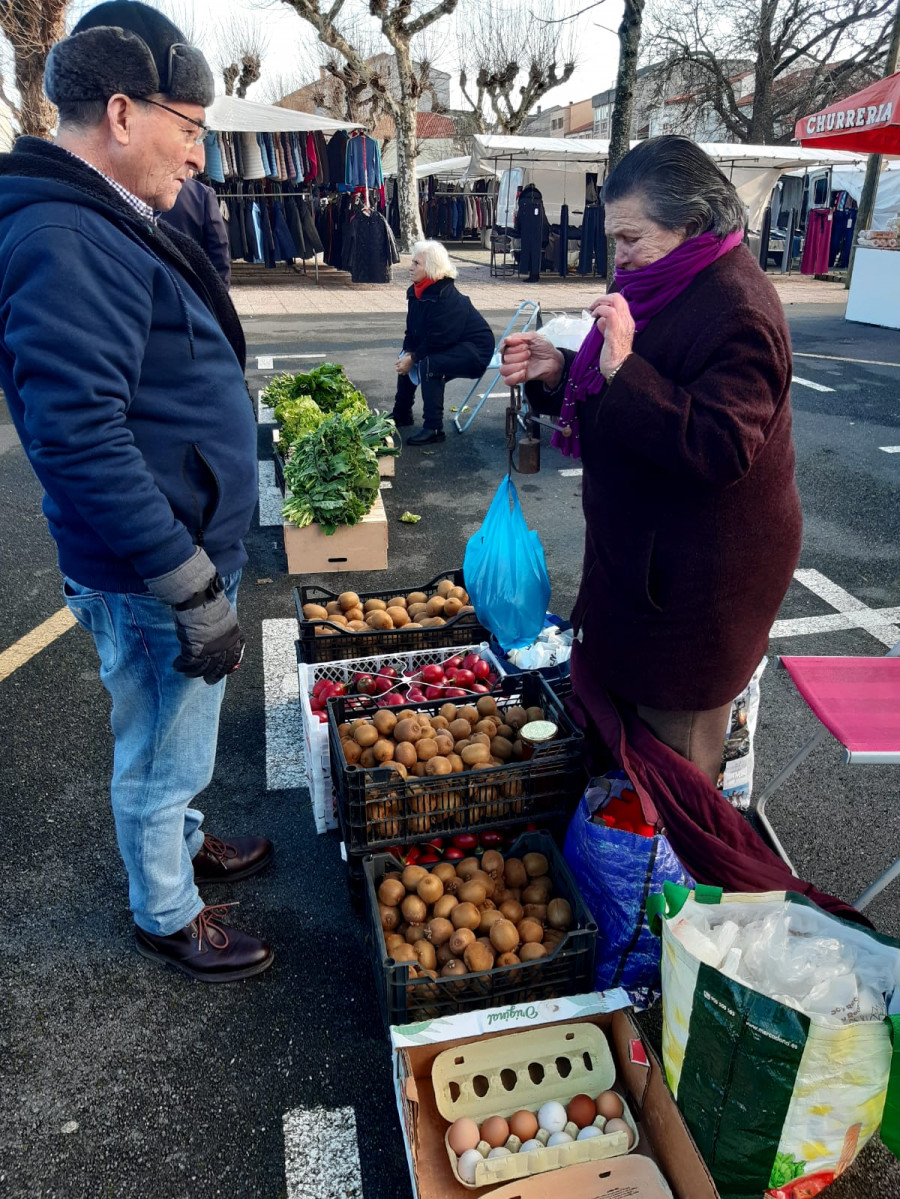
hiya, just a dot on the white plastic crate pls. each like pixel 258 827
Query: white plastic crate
pixel 315 732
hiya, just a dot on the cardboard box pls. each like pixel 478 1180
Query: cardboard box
pixel 362 546
pixel 663 1134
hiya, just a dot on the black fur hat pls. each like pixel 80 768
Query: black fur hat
pixel 124 46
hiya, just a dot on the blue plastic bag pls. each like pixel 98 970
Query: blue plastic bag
pixel 506 573
pixel 616 871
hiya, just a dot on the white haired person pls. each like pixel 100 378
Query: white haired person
pixel 446 338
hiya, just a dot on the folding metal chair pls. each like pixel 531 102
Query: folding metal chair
pixel 529 314
pixel 857 701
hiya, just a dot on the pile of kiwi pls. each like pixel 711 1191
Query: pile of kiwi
pixel 464 918
pixel 455 740
pixel 413 611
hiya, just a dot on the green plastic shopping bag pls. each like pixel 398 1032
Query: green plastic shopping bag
pixel 783 1081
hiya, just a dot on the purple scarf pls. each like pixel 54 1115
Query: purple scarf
pixel 648 290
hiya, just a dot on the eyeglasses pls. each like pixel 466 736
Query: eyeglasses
pixel 197 138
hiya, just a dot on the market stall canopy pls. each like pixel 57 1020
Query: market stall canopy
pixel 453 168
pixel 229 114
pixel 867 122
pixel 563 153
pixel 753 170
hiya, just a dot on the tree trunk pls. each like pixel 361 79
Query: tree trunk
pixel 404 114
pixel 31 30
pixel 623 106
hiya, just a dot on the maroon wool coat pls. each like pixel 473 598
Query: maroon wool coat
pixel 693 520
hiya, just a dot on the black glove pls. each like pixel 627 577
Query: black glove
pixel 212 644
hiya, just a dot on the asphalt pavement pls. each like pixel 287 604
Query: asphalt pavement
pixel 122 1079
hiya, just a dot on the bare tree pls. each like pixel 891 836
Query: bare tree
pixel 795 56
pixel 623 105
pixel 400 27
pixel 242 47
pixel 31 27
pixel 507 64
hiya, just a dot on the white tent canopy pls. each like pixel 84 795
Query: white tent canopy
pixel 754 170
pixel 230 114
pixel 453 168
pixel 887 197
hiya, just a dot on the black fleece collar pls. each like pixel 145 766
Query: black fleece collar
pixel 33 158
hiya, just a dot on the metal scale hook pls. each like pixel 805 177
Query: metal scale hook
pixel 519 416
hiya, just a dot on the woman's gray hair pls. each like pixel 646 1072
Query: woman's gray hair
pixel 680 185
pixel 435 260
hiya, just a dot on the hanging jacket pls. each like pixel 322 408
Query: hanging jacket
pixel 337 158
pixel 371 249
pixel 531 226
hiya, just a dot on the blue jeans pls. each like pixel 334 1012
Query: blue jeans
pixel 166 727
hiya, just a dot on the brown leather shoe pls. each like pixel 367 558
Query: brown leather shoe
pixel 228 861
pixel 207 950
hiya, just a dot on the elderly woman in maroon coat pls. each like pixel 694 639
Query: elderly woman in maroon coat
pixel 678 404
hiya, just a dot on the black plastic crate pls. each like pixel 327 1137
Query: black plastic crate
pixel 464 629
pixel 569 970
pixel 377 808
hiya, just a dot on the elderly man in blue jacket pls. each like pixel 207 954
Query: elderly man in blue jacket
pixel 121 358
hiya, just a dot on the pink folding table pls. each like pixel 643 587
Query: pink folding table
pixel 857 700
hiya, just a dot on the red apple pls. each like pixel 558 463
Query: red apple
pixel 453 663
pixel 480 689
pixel 464 678
pixel 392 700
pixel 469 661
pixel 416 695
pixel 389 672
pixel 454 855
pixel 466 841
pixel 384 684
pixel 316 704
pixel 455 693
pixel 434 692
pixel 481 669
pixel 323 718
pixel 432 674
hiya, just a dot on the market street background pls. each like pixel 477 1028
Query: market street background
pixel 121 1079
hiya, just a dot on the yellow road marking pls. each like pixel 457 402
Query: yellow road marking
pixel 32 643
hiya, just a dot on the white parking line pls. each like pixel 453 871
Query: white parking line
pixel 835 358
pixel 271 501
pixel 850 613
pixel 890 449
pixel 810 383
pixel 285 763
pixel 321 1154
pixel 573 473
pixel 267 362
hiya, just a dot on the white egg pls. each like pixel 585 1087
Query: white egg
pixel 587 1133
pixel 467 1164
pixel 500 1151
pixel 552 1116
pixel 530 1145
pixel 559 1138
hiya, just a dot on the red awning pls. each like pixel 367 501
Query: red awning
pixel 867 122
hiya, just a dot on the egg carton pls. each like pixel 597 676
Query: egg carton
pixel 522 1071
pixel 315 733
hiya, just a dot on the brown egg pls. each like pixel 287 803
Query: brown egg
pixel 582 1111
pixel 617 1125
pixel 495 1131
pixel 463 1135
pixel 609 1105
pixel 523 1125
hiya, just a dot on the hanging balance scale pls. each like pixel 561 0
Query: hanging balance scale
pixel 520 419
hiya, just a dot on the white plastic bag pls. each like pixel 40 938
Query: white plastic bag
pixel 567 332
pixel 736 774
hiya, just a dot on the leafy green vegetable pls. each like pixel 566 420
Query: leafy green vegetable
pixel 785 1169
pixel 297 417
pixel 410 518
pixel 377 430
pixel 329 387
pixel 333 476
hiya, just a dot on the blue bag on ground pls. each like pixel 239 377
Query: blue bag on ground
pixel 616 871
pixel 505 572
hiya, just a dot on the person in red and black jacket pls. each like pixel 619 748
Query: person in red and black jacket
pixel 446 338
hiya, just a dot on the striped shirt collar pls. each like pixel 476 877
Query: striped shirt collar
pixel 130 198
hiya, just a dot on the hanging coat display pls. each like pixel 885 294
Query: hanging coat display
pixel 531 227
pixel 371 249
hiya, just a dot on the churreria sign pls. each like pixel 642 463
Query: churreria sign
pixel 849 118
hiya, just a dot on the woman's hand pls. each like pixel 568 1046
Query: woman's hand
pixel 404 364
pixel 527 358
pixel 614 320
